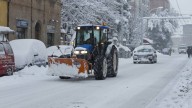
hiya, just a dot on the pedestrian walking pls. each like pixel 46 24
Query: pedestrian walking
pixel 170 51
pixel 188 51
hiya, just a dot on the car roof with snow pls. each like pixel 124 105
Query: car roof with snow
pixel 143 47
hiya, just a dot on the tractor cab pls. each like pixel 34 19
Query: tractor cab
pixel 89 36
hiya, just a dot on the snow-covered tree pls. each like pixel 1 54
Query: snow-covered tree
pixel 114 12
pixel 161 30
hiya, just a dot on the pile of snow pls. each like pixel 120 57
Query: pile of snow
pixel 63 31
pixel 5 29
pixel 177 93
pixel 33 70
pixel 148 40
pixel 64 50
pixel 124 47
pixel 28 51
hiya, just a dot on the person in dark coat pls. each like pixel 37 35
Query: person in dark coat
pixel 188 51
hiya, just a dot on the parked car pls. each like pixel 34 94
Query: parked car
pixel 60 51
pixel 29 52
pixel 182 49
pixel 7 64
pixel 144 53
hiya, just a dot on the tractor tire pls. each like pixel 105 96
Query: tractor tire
pixel 100 67
pixel 112 63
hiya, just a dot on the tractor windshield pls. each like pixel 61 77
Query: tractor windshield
pixel 87 36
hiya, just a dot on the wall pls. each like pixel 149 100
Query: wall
pixel 159 3
pixel 38 15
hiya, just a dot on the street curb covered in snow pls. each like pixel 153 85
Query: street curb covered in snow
pixel 178 93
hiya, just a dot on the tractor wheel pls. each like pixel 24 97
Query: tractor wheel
pixel 100 67
pixel 112 64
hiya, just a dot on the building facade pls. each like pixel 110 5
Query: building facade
pixel 159 3
pixel 35 19
pixel 3 12
pixel 187 34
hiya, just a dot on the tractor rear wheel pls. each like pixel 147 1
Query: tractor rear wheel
pixel 100 67
pixel 112 63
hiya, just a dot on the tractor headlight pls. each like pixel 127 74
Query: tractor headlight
pixel 76 52
pixel 84 52
pixel 80 52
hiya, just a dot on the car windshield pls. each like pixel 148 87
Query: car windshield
pixel 182 47
pixel 144 50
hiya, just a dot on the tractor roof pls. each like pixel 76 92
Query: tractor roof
pixel 91 25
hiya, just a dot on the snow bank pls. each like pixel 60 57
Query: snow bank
pixel 124 47
pixel 25 49
pixel 33 70
pixel 178 93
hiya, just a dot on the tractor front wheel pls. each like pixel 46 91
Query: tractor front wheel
pixel 100 67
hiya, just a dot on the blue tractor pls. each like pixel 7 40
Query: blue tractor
pixel 94 54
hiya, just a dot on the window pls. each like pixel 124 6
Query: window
pixel 87 36
pixel 104 35
pixel 2 51
pixel 8 48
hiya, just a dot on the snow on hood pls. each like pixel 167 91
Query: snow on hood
pixel 64 49
pixel 80 49
pixel 25 49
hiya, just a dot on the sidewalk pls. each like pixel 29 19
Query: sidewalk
pixel 178 93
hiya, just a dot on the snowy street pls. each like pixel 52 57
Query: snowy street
pixel 135 86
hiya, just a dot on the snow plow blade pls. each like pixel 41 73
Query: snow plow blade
pixel 70 67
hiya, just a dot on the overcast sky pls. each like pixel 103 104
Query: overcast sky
pixel 185 6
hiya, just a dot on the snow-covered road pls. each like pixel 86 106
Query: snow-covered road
pixel 135 86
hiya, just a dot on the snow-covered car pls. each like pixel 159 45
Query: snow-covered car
pixel 144 53
pixel 182 49
pixel 124 51
pixel 60 51
pixel 29 52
